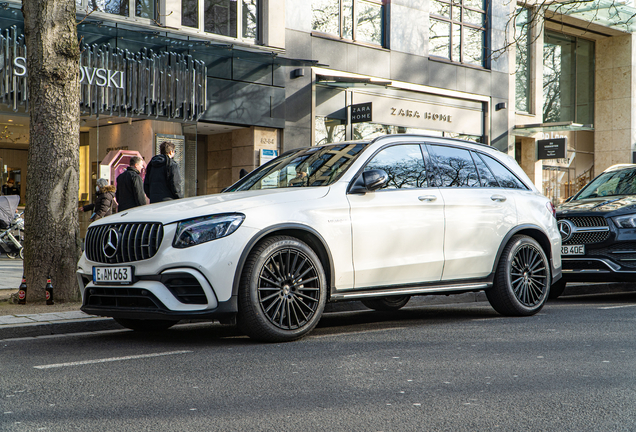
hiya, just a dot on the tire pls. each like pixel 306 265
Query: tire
pixel 522 278
pixel 145 325
pixel 386 304
pixel 557 289
pixel 282 291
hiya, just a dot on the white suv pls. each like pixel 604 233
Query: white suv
pixel 376 221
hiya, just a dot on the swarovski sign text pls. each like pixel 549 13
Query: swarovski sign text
pixel 101 77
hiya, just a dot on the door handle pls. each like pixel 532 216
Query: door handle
pixel 499 198
pixel 429 198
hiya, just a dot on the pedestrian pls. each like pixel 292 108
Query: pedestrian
pixel 104 201
pixel 163 181
pixel 130 187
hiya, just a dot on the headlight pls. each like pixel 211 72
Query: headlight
pixel 206 228
pixel 625 221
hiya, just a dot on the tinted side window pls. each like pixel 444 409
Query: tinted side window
pixel 485 176
pixel 403 163
pixel 505 178
pixel 455 166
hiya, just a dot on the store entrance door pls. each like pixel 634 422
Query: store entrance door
pixel 557 183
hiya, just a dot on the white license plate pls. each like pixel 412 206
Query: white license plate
pixel 118 275
pixel 573 250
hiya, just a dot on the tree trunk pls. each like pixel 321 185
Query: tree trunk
pixel 52 242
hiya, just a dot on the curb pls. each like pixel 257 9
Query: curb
pixel 57 328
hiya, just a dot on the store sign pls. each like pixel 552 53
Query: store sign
pixel 361 113
pixel 458 116
pixel 552 148
pixel 116 82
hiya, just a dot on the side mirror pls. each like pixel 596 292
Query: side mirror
pixel 369 181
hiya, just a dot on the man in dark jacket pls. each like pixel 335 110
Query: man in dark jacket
pixel 163 181
pixel 130 188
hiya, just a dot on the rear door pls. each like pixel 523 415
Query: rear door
pixel 398 231
pixel 477 211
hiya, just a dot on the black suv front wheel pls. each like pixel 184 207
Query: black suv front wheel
pixel 522 279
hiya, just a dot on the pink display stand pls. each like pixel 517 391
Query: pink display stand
pixel 116 162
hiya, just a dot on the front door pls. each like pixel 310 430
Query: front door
pixel 398 231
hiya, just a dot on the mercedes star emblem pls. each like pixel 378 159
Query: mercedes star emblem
pixel 110 243
pixel 566 229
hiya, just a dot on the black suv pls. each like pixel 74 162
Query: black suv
pixel 598 230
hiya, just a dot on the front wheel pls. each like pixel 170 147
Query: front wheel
pixel 282 292
pixel 386 304
pixel 522 279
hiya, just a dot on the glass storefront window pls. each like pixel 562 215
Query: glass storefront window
pixel 457 31
pixel 357 20
pixel 222 17
pixel 522 61
pixel 329 130
pixel 568 79
pixel 142 8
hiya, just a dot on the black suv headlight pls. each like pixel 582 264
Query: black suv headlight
pixel 625 221
pixel 203 229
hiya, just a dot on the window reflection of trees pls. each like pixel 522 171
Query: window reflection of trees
pixel 369 19
pixel 551 83
pixel 406 172
pixel 455 166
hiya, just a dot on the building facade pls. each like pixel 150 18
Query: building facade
pixel 234 82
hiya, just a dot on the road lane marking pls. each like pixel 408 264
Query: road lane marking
pixel 111 359
pixel 356 332
pixel 617 307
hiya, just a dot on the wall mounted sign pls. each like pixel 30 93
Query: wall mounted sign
pixel 551 148
pixel 115 81
pixel 361 113
pixel 462 117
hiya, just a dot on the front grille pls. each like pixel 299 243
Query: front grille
pixel 586 221
pixel 122 298
pixel 136 241
pixel 621 253
pixel 588 238
pixel 584 265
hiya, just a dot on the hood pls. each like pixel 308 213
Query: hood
pixel 106 189
pixel 176 210
pixel 599 204
pixel 158 160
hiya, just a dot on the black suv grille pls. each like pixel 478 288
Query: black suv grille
pixel 622 253
pixel 587 221
pixel 136 241
pixel 588 237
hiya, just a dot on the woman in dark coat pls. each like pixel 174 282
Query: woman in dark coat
pixel 104 201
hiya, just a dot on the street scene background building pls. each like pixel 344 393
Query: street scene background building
pixel 235 83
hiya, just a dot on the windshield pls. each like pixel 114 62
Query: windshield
pixel 611 183
pixel 313 166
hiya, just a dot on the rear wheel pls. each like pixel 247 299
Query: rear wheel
pixel 522 278
pixel 282 292
pixel 145 325
pixel 391 303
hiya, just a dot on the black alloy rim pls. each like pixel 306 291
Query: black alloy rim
pixel 289 289
pixel 528 275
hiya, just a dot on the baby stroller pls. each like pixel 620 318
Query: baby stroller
pixel 11 227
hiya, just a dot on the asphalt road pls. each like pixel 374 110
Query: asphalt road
pixel 435 368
